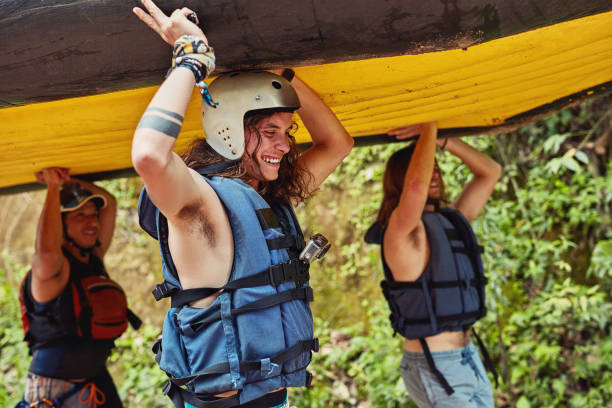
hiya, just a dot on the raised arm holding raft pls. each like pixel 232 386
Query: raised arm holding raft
pixel 239 331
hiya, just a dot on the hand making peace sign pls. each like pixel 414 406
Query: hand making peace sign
pixel 169 28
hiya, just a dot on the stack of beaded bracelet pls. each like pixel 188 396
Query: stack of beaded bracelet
pixel 194 54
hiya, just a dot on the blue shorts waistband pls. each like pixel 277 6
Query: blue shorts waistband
pixel 438 355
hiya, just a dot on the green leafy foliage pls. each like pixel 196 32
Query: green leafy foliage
pixel 13 350
pixel 140 380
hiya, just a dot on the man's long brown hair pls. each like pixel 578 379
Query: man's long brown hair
pixel 293 179
pixel 393 182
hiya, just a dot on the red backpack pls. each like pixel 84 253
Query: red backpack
pixel 91 307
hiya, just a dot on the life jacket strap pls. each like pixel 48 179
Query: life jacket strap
pixel 294 270
pixel 180 396
pixel 432 366
pixel 134 320
pixel 256 365
pixel 479 281
pixel 164 289
pixel 267 218
pixel 463 250
pixel 459 316
pixel 283 242
pixel 487 359
pixel 304 294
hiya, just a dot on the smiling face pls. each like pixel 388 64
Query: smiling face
pixel 266 145
pixel 83 225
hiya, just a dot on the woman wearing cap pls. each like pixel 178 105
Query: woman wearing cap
pixel 69 351
pixel 226 227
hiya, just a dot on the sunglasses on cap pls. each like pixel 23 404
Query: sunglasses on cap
pixel 73 196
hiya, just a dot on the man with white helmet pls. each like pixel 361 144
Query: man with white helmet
pixel 239 330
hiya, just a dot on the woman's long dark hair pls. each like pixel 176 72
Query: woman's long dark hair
pixel 393 183
pixel 293 179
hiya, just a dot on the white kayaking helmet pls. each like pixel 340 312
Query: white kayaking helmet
pixel 236 94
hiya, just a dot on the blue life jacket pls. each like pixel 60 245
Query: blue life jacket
pixel 449 295
pixel 257 336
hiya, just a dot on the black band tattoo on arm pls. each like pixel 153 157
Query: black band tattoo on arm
pixel 166 112
pixel 163 125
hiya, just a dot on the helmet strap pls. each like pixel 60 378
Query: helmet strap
pixel 435 202
pixel 83 251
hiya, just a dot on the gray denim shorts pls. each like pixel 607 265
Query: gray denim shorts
pixel 463 370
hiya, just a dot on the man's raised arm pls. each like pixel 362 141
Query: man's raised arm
pixel 169 182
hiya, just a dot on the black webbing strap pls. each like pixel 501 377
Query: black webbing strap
pixel 255 365
pixel 433 284
pixel 432 366
pixel 134 320
pixel 473 248
pixel 467 251
pixel 267 218
pixel 452 234
pixel 156 349
pixel 179 396
pixel 282 242
pixel 487 359
pixel 294 270
pixel 458 316
pixel 304 293
pixel 182 297
pixel 164 289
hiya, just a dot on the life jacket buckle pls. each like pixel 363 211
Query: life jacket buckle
pixel 276 275
pixel 164 289
pixel 315 344
pixel 167 387
pixel 304 294
pixel 301 275
pixel 308 379
pixel 156 346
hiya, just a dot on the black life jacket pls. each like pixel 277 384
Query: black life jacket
pixel 449 295
pixel 91 306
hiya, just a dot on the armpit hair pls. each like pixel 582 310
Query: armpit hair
pixel 198 224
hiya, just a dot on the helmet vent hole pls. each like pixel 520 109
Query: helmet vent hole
pixel 276 84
